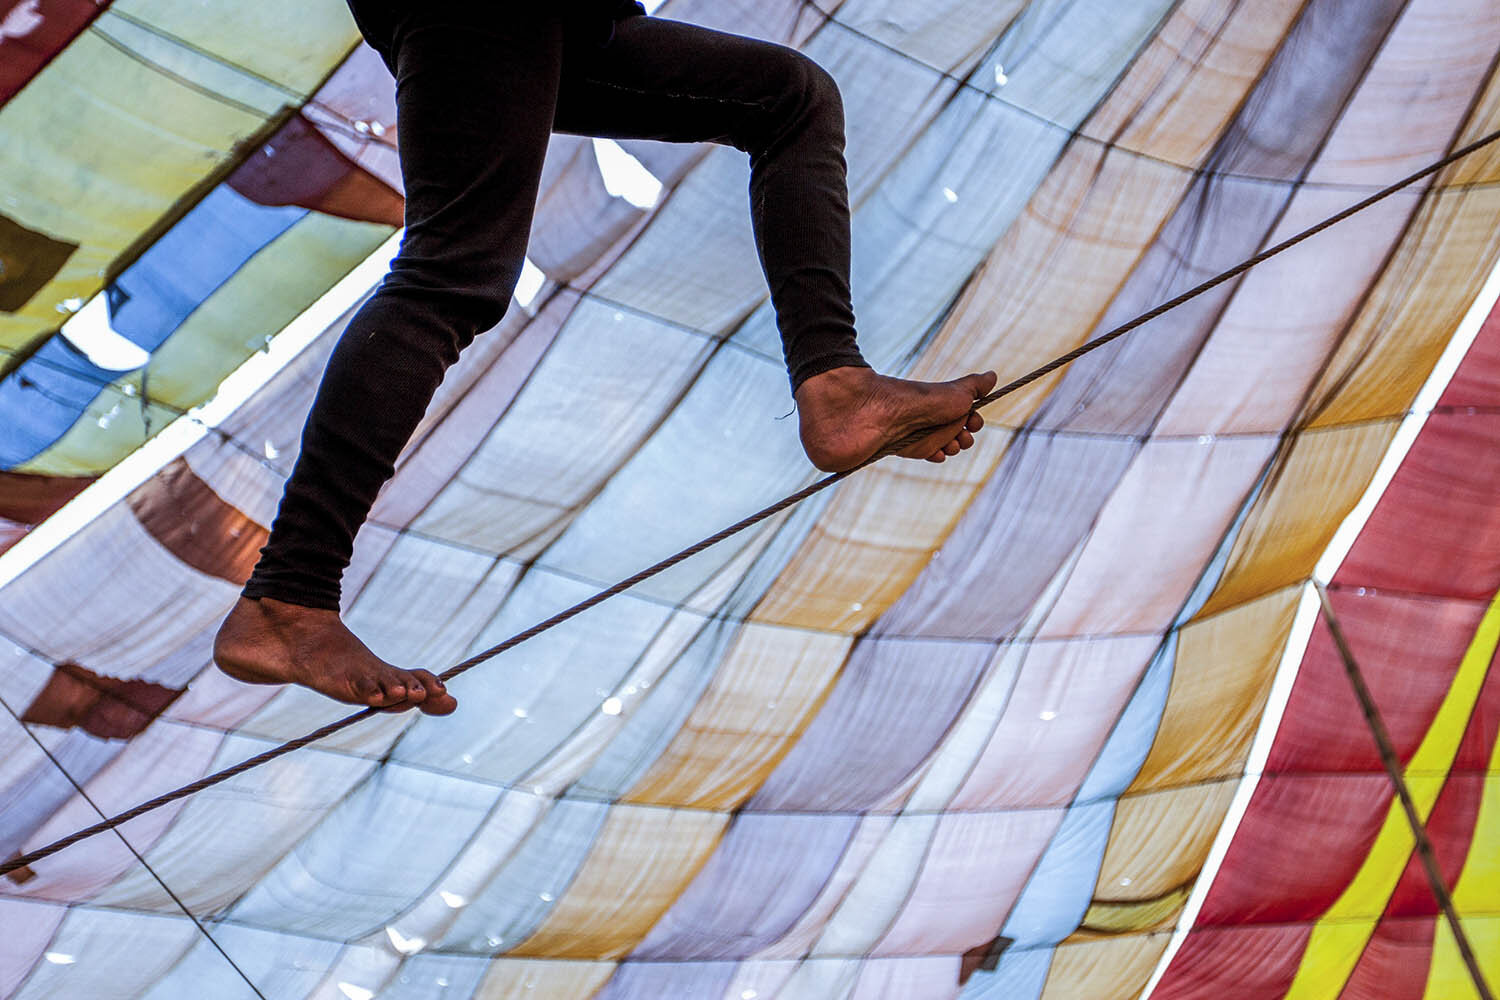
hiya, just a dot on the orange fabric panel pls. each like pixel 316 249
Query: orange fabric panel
pixel 1225 665
pixel 191 521
pixel 768 688
pixel 1312 486
pixel 642 861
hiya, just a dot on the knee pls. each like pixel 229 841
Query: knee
pixel 808 103
pixel 468 292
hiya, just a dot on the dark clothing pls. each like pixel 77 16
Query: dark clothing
pixel 480 86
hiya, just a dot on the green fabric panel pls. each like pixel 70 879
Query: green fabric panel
pixel 270 291
pixel 138 110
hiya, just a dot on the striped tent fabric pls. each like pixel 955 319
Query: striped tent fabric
pixel 969 730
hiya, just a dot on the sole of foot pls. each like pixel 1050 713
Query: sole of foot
pixel 847 415
pixel 265 641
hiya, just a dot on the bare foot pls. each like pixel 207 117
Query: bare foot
pixel 849 414
pixel 271 642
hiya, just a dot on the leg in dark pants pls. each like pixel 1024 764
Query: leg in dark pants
pixel 479 89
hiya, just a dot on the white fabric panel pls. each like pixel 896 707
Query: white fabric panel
pixel 867 838
pixel 975 867
pixel 513 710
pixel 523 890
pixel 931 977
pixel 72 604
pixel 948 35
pixel 116 956
pixel 157 761
pixel 280 965
pixel 226 839
pixel 29 927
pixel 371 856
pixel 445 595
pixel 1163 522
pixel 1065 701
pixel 471 870
pixel 881 889
pixel 592 389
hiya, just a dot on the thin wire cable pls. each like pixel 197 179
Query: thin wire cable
pixel 47 752
pixel 1393 771
pixel 789 501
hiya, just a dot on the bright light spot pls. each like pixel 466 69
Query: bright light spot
pixel 651 5
pixel 467 758
pixel 532 280
pixel 272 451
pixel 405 945
pixel 624 176
pixel 545 897
pixel 356 992
pixel 452 899
pixel 1048 715
pixel 441 982
pixel 1125 880
pixel 951 195
pixel 856 606
pixel 1205 439
pixel 1000 78
pixel 519 713
pixel 90 332
pixel 22 20
pixel 748 995
pixel 494 940
pixel 128 389
pixel 612 706
pixel 58 958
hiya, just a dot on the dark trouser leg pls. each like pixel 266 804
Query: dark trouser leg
pixel 677 82
pixel 476 92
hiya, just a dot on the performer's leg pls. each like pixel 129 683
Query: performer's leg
pixel 476 89
pixel 661 79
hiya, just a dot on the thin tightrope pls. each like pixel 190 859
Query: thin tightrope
pixel 31 857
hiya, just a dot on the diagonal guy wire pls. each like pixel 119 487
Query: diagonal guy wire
pixel 816 487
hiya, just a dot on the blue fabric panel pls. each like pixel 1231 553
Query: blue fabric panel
pixel 45 396
pixel 193 258
pixel 1020 975
pixel 1060 889
pixel 1135 731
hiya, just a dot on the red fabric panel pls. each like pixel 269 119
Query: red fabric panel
pixel 196 525
pixel 107 707
pixel 1408 649
pixel 28 499
pixel 1394 963
pixel 1477 381
pixel 33 31
pixel 1301 841
pixel 1437 528
pixel 303 168
pixel 1243 963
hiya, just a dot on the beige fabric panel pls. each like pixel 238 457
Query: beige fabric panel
pixel 1311 490
pixel 771 683
pixel 1160 840
pixel 643 859
pixel 878 532
pixel 1163 523
pixel 1411 314
pixel 1109 969
pixel 533 979
pixel 1225 665
pixel 1212 49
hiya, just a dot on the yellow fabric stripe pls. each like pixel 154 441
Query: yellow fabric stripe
pixel 1477 891
pixel 1340 935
